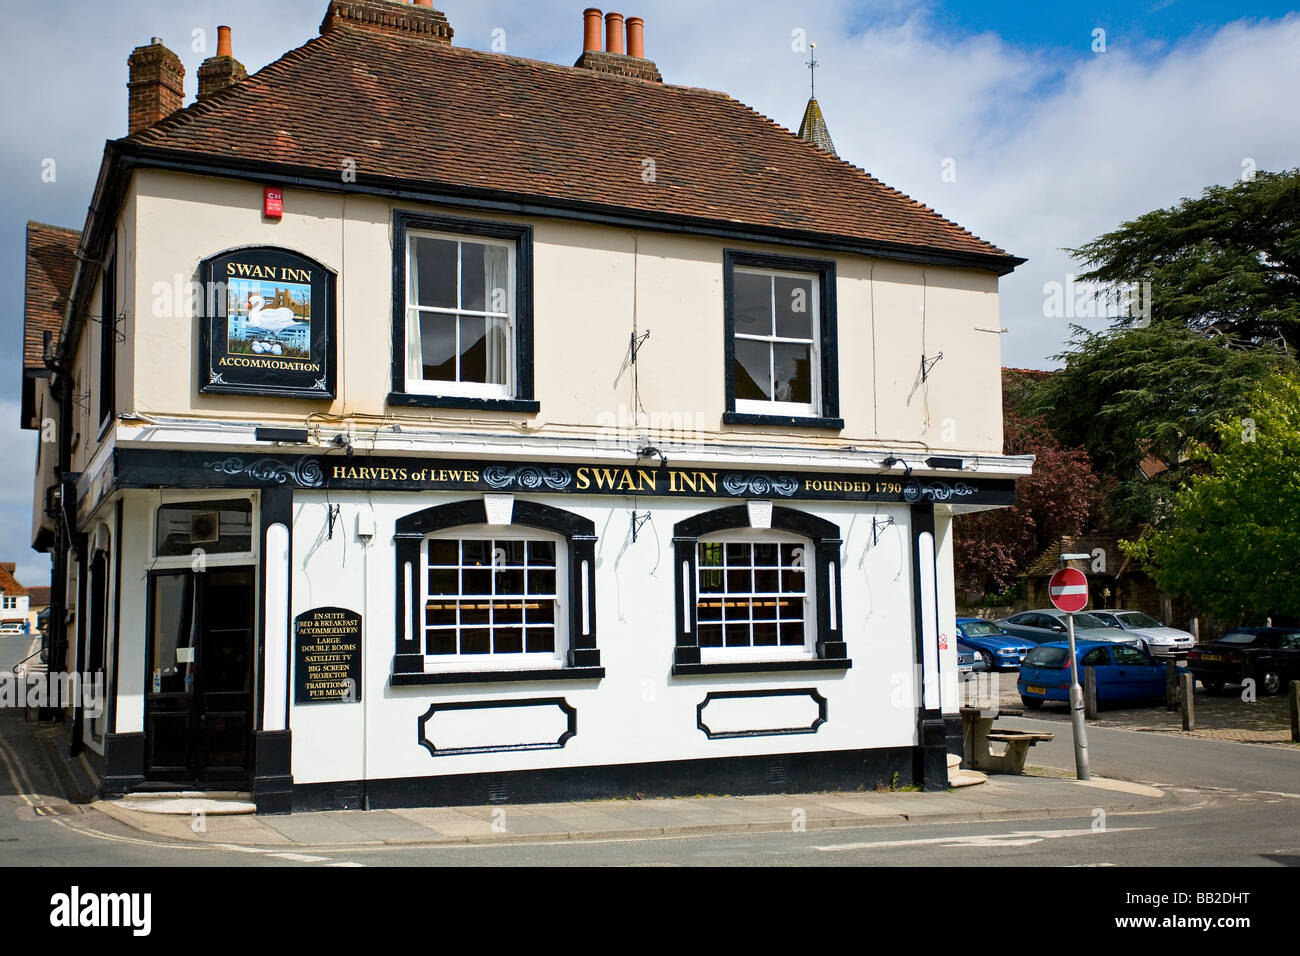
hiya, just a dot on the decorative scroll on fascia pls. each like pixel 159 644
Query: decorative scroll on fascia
pixel 305 472
pixel 529 477
pixel 760 485
pixel 936 490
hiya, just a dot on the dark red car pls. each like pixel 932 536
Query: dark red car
pixel 1269 655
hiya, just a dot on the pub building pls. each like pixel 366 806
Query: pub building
pixel 420 425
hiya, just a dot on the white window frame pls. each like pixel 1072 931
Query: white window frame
pixel 416 383
pixel 806 651
pixel 756 407
pixel 552 660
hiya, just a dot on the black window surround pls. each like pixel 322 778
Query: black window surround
pixel 522 236
pixel 831 650
pixel 108 345
pixel 583 658
pixel 824 269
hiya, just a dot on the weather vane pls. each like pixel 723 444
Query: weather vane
pixel 812 67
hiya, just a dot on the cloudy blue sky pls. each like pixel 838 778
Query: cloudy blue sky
pixel 1055 132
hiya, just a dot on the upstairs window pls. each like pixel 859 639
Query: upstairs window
pixel 780 338
pixel 460 310
pixel 462 314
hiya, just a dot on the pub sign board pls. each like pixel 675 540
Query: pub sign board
pixel 268 325
pixel 327 656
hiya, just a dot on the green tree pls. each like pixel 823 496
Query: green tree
pixel 993 548
pixel 1232 543
pixel 1138 394
pixel 1226 264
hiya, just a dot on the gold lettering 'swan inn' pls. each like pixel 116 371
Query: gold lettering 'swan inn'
pixel 508 458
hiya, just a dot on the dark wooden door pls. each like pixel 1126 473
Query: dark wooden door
pixel 199 717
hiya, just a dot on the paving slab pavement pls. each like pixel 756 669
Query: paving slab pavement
pixel 1003 797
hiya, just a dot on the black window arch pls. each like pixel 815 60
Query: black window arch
pixel 831 650
pixel 580 536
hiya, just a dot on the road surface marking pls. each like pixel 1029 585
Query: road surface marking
pixel 299 857
pixel 1014 838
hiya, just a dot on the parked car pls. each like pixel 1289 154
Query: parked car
pixel 994 646
pixel 1153 637
pixel 13 627
pixel 1271 655
pixel 968 663
pixel 1123 673
pixel 1048 624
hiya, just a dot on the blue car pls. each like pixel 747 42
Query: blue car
pixel 1123 673
pixel 998 649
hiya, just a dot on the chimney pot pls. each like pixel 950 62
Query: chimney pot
pixel 424 3
pixel 220 71
pixel 614 33
pixel 636 37
pixel 591 18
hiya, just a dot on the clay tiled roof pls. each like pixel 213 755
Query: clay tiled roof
pixel 404 106
pixel 8 583
pixel 39 595
pixel 50 266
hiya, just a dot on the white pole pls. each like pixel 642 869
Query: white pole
pixel 1076 710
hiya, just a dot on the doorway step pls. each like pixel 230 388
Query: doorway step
pixel 189 802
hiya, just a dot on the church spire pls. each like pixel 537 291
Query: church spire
pixel 813 128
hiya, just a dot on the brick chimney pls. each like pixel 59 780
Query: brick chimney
pixel 389 16
pixel 220 71
pixel 613 59
pixel 156 85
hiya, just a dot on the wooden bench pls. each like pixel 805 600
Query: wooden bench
pixel 978 732
pixel 1011 760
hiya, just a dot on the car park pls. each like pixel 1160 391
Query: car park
pixel 997 649
pixel 1153 636
pixel 1048 624
pixel 1268 655
pixel 1123 672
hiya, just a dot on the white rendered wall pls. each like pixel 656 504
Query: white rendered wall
pixel 638 712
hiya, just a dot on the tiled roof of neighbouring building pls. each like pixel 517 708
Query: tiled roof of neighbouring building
pixel 51 261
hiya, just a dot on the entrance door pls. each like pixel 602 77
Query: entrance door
pixel 199 713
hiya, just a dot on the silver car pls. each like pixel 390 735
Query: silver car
pixel 1152 635
pixel 1048 624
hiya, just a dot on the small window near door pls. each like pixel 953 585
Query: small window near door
pixel 215 527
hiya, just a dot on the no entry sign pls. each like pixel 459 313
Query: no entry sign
pixel 1068 590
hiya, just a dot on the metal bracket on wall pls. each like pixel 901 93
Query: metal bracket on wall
pixel 118 321
pixel 928 364
pixel 878 525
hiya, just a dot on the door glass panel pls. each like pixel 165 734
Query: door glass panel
pixel 173 631
pixel 227 631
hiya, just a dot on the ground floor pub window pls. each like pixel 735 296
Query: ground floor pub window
pixel 753 596
pixel 475 600
pixel 494 599
pixel 757 598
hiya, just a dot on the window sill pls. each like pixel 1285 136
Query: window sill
pixel 788 421
pixel 414 400
pixel 496 677
pixel 757 667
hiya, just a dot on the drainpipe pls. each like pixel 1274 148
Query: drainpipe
pixel 56 645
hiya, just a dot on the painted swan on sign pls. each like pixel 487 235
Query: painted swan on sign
pixel 269 322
